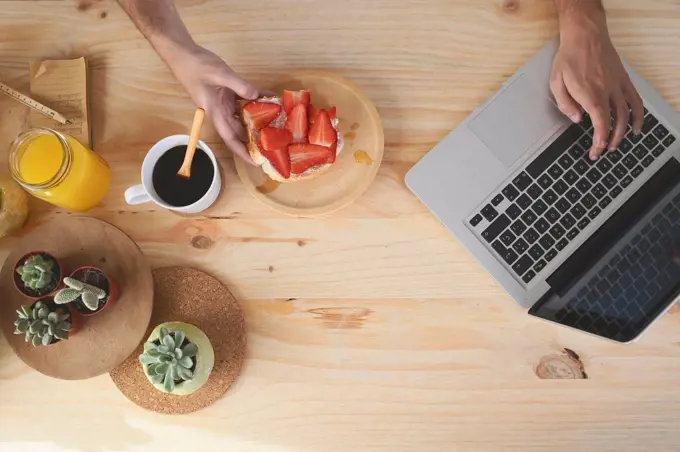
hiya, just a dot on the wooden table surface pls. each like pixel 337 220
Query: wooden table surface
pixel 371 329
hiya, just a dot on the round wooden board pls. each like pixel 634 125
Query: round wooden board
pixel 187 295
pixel 106 339
pixel 352 172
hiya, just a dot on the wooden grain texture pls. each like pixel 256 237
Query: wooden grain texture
pixel 371 329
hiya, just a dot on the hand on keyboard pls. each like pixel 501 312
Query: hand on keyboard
pixel 588 72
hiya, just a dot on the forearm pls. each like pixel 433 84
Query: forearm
pixel 161 25
pixel 566 7
pixel 579 17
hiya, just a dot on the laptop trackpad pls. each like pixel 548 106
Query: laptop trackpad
pixel 516 119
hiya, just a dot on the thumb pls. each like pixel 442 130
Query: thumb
pixel 238 85
pixel 230 136
pixel 565 102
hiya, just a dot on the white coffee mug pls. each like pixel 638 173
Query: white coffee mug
pixel 138 194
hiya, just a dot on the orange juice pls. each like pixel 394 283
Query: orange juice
pixel 59 169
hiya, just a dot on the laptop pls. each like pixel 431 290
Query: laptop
pixel 589 245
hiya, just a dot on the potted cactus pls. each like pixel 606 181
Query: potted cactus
pixel 88 290
pixel 45 323
pixel 37 274
pixel 177 358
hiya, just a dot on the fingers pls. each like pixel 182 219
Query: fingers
pixel 635 101
pixel 227 109
pixel 238 128
pixel 235 83
pixel 565 102
pixel 599 113
pixel 242 88
pixel 225 128
pixel 267 93
pixel 620 106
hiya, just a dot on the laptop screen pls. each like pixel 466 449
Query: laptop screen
pixel 628 272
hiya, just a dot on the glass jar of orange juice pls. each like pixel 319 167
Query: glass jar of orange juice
pixel 13 205
pixel 57 168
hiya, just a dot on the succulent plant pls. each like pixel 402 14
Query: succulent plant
pixel 165 362
pixel 42 325
pixel 36 273
pixel 89 294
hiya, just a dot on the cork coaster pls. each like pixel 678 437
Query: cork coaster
pixel 186 295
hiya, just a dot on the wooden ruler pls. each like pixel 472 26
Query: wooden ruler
pixel 16 95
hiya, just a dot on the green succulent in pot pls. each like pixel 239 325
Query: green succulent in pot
pixel 37 274
pixel 177 358
pixel 89 294
pixel 43 323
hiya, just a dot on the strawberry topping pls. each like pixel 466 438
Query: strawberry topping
pixel 305 156
pixel 322 132
pixel 293 98
pixel 258 115
pixel 297 123
pixel 274 146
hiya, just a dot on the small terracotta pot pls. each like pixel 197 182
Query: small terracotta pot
pixel 113 293
pixel 76 320
pixel 18 284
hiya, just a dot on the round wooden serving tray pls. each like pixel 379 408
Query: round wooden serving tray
pixel 105 339
pixel 355 167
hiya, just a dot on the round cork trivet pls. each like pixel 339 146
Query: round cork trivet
pixel 184 294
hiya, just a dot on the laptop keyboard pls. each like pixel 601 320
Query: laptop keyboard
pixel 561 191
pixel 619 295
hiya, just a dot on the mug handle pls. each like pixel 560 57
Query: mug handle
pixel 136 195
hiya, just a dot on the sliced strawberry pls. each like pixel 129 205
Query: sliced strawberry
pixel 280 160
pixel 272 139
pixel 258 115
pixel 292 98
pixel 297 123
pixel 305 156
pixel 312 112
pixel 334 152
pixel 274 146
pixel 322 132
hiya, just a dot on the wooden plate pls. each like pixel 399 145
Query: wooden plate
pixel 106 339
pixel 355 167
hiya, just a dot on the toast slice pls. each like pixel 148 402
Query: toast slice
pixel 313 145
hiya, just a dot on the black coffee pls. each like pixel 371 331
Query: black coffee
pixel 176 190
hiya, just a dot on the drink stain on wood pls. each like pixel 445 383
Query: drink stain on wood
pixel 268 186
pixel 363 158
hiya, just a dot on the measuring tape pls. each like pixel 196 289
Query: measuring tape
pixel 27 101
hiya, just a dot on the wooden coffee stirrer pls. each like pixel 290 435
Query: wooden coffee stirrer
pixel 185 170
